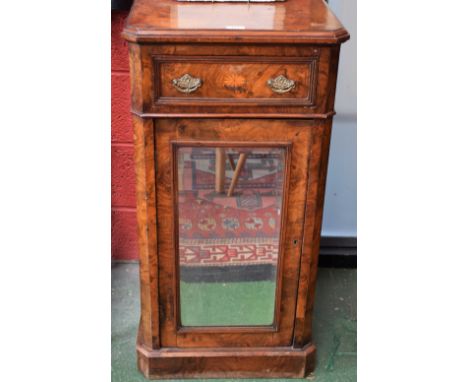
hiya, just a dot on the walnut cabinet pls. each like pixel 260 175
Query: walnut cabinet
pixel 232 109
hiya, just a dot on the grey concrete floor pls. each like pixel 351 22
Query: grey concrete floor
pixel 334 325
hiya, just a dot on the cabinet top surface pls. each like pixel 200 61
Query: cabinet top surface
pixel 292 21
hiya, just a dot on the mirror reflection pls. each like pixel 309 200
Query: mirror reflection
pixel 229 214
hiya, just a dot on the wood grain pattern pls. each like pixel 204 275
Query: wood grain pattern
pixel 315 71
pixel 260 133
pixel 311 244
pixel 235 49
pixel 236 115
pixel 226 363
pixel 294 21
pixel 147 233
pixel 225 81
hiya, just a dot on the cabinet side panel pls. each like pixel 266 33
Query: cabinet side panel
pixel 314 210
pixel 332 78
pixel 313 223
pixel 166 253
pixel 136 83
pixel 146 221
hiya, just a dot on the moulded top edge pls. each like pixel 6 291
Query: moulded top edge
pixel 292 21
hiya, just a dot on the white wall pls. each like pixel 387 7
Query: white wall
pixel 340 199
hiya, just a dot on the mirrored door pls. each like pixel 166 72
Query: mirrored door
pixel 230 201
pixel 229 212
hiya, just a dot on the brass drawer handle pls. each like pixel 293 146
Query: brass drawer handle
pixel 281 84
pixel 187 83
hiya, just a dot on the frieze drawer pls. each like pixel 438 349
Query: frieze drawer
pixel 243 80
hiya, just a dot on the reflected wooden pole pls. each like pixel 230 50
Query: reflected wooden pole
pixel 231 162
pixel 237 171
pixel 220 169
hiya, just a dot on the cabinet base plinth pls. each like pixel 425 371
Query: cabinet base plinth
pixel 226 363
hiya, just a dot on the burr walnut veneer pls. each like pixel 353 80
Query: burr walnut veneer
pixel 230 96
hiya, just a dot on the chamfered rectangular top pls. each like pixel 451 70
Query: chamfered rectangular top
pixel 292 21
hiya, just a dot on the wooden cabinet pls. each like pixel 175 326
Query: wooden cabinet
pixel 232 110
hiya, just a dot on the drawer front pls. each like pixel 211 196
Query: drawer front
pixel 240 80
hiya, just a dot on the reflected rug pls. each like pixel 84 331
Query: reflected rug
pixel 239 232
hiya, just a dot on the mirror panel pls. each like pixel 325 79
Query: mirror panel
pixel 229 209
